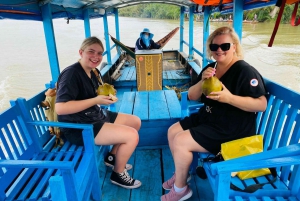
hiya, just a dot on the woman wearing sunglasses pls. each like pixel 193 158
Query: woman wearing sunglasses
pixel 226 115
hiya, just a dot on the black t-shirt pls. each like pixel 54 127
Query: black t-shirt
pixel 74 84
pixel 243 80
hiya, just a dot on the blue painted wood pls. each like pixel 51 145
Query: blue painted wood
pixel 191 32
pixel 117 28
pixel 106 69
pixel 56 183
pixel 153 136
pixel 111 191
pixel 141 105
pixel 87 27
pixel 181 28
pixel 124 75
pixel 127 103
pixel 106 35
pixel 42 176
pixel 165 75
pixel 158 108
pixel 168 165
pixel 196 68
pixel 41 160
pixel 50 41
pixel 173 104
pixel 238 18
pixel 149 161
pixel 207 11
pixel 131 74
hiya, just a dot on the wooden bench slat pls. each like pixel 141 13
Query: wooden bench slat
pixel 131 74
pixel 127 103
pixel 289 96
pixel 23 133
pixel 36 160
pixel 141 102
pixel 276 139
pixel 7 152
pixel 24 175
pixel 69 154
pixel 17 137
pixel 64 154
pixel 11 140
pixel 39 179
pixel 173 104
pixel 263 123
pixel 158 108
pixel 124 74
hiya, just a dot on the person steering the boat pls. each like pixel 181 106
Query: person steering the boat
pixel 227 115
pixel 77 102
pixel 145 42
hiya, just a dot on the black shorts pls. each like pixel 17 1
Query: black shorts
pixel 204 135
pixel 74 136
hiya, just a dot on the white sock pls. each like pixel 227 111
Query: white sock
pixel 178 190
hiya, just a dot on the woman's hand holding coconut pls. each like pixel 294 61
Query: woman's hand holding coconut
pixel 223 96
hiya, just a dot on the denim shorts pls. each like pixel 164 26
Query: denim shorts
pixel 74 136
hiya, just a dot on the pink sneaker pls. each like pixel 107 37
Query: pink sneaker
pixel 174 196
pixel 167 185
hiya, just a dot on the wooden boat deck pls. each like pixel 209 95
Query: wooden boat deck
pixel 152 167
pixel 170 77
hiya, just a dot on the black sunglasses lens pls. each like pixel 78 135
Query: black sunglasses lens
pixel 215 47
pixel 225 46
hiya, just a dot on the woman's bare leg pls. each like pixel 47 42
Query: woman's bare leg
pixel 128 120
pixel 172 132
pixel 183 146
pixel 126 137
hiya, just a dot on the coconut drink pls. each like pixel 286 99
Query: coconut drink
pixel 211 84
pixel 107 90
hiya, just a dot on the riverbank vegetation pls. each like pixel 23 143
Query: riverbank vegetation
pixel 165 11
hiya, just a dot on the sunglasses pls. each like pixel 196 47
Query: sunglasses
pixel 224 46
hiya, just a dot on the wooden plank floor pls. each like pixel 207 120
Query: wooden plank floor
pixel 170 77
pixel 151 167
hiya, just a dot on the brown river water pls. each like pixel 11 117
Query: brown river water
pixel 25 67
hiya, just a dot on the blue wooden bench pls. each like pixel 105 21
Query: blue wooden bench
pixel 280 126
pixel 32 168
pixel 158 110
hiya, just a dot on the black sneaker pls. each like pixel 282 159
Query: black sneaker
pixel 109 161
pixel 123 179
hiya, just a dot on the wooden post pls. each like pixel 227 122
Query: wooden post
pixel 50 41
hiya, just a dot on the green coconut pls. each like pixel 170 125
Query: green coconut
pixel 211 84
pixel 107 90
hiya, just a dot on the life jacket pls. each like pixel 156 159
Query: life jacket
pixel 211 2
pixel 293 22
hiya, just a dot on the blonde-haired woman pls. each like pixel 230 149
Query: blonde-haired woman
pixel 226 115
pixel 77 101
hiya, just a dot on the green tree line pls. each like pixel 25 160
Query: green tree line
pixel 167 11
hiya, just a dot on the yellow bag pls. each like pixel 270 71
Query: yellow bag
pixel 243 147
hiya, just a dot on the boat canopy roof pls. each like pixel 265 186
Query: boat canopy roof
pixel 74 9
